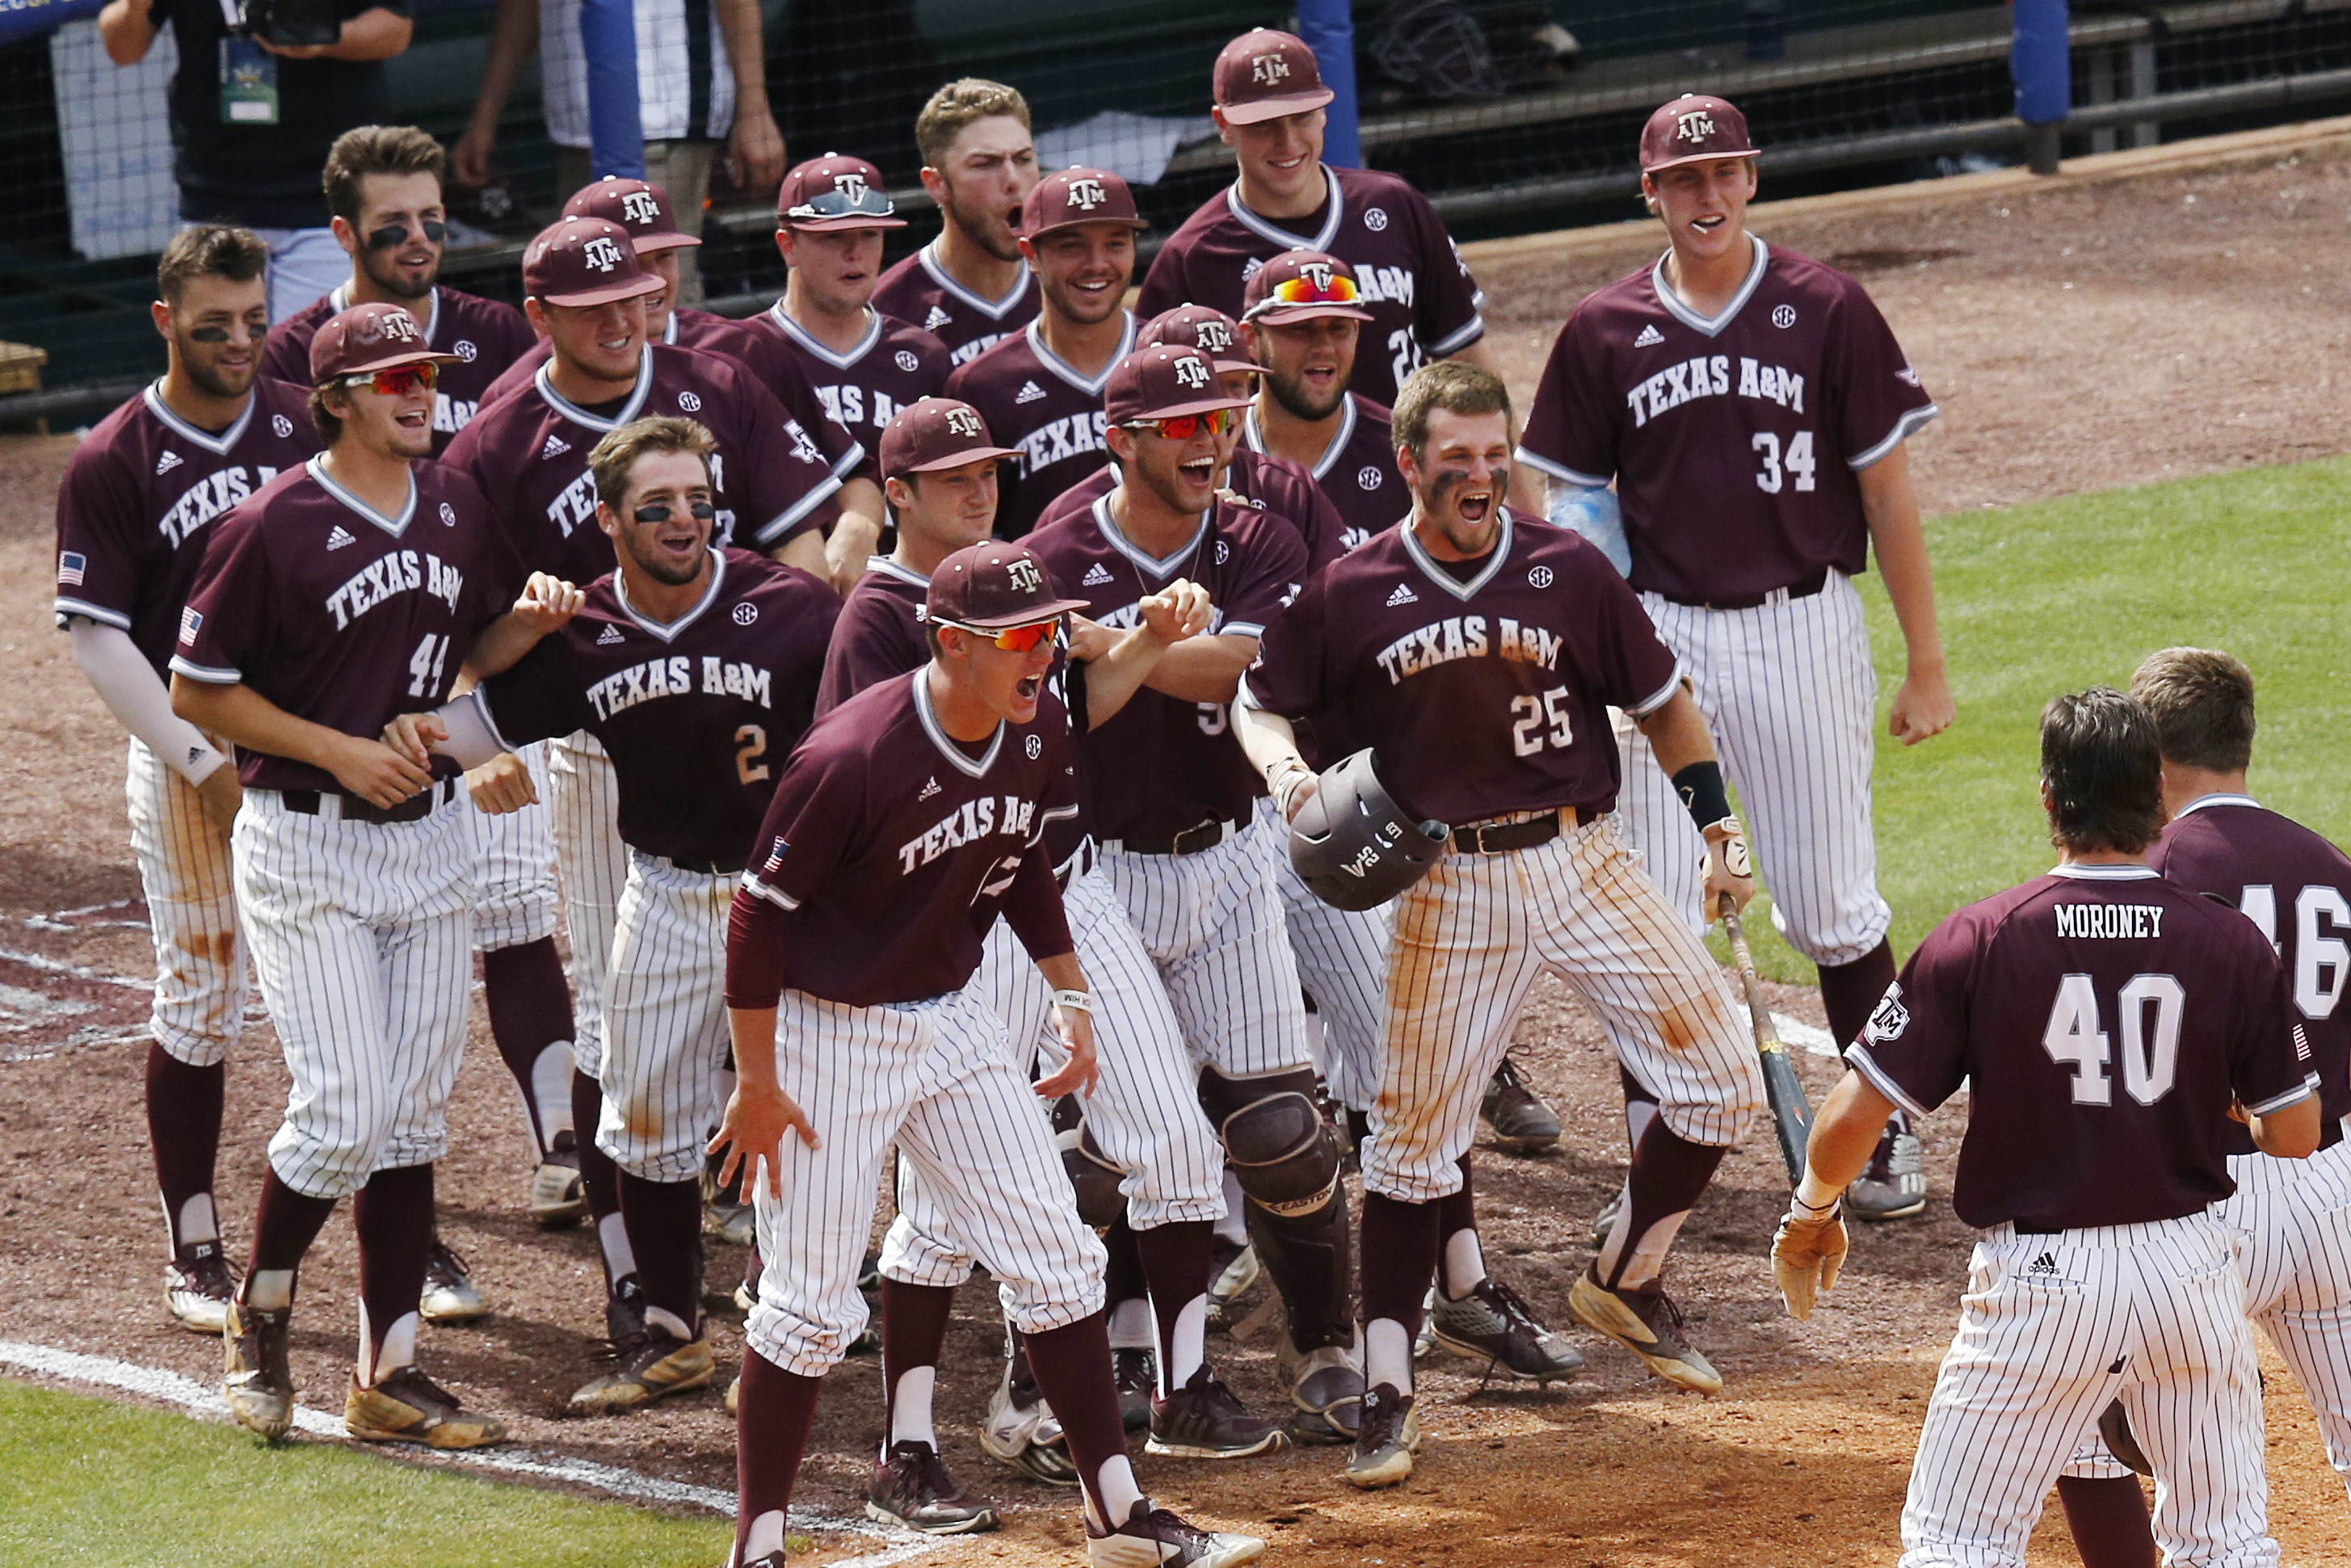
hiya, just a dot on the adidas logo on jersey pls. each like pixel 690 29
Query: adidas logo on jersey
pixel 338 539
pixel 936 320
pixel 165 463
pixel 929 790
pixel 1649 339
pixel 1403 595
pixel 1096 575
pixel 610 637
pixel 556 446
pixel 2044 1264
pixel 1029 393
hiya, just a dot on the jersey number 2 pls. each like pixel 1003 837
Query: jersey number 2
pixel 2150 1046
pixel 1798 461
pixel 750 746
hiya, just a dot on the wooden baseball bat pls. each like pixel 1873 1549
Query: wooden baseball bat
pixel 1791 1113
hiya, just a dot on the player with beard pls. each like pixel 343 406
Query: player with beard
pixel 133 513
pixel 969 286
pixel 383 186
pixel 1042 392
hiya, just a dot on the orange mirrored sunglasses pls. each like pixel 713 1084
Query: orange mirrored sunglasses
pixel 400 379
pixel 1012 638
pixel 1184 426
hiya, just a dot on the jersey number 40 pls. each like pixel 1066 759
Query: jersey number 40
pixel 2149 1009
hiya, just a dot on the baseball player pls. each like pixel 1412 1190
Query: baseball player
pixel 697 670
pixel 1269 109
pixel 1040 391
pixel 1750 406
pixel 1474 652
pixel 909 818
pixel 134 511
pixel 2111 1024
pixel 830 218
pixel 346 590
pixel 1175 803
pixel 528 452
pixel 970 287
pixel 383 186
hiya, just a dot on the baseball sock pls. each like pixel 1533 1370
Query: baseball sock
pixel 1461 1259
pixel 1850 992
pixel 393 1215
pixel 1234 1225
pixel 599 1182
pixel 183 1125
pixel 1640 1109
pixel 772 1432
pixel 914 1333
pixel 1175 1259
pixel 1668 1175
pixel 1071 1365
pixel 2108 1518
pixel 663 1219
pixel 285 1223
pixel 1126 1289
pixel 530 1019
pixel 1403 1237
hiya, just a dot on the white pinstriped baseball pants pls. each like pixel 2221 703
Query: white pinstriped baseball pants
pixel 1144 1112
pixel 516 870
pixel 2052 1329
pixel 362 940
pixel 1471 936
pixel 665 1020
pixel 185 872
pixel 583 811
pixel 936 1076
pixel 1790 695
pixel 1342 959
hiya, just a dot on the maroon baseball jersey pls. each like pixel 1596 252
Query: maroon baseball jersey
pixel 698 714
pixel 1035 402
pixel 889 848
pixel 529 455
pixel 1423 302
pixel 138 492
pixel 756 352
pixel 1160 766
pixel 340 614
pixel 919 292
pixel 2297 887
pixel 485 336
pixel 1481 686
pixel 1270 485
pixel 1357 471
pixel 2106 1018
pixel 1733 439
pixel 879 633
pixel 861 391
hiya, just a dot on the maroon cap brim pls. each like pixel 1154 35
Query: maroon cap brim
pixel 1027 617
pixel 955 460
pixel 1273 313
pixel 849 221
pixel 1250 366
pixel 1137 223
pixel 1257 109
pixel 627 289
pixel 1698 158
pixel 645 244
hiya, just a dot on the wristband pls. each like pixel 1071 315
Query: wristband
pixel 1281 768
pixel 1703 795
pixel 1815 1195
pixel 1074 1002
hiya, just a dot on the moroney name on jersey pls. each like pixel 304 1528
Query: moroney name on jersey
pixel 1708 375
pixel 393 574
pixel 1465 637
pixel 673 677
pixel 2120 920
pixel 967 824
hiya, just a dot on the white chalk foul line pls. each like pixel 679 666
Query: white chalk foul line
pixel 1797 1034
pixel 186 1392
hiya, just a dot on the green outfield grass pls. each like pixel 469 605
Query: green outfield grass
pixel 90 1481
pixel 2055 596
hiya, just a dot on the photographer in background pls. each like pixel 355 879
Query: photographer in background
pixel 263 89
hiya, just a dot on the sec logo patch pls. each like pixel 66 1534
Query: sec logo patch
pixel 1034 746
pixel 746 612
pixel 282 425
pixel 906 360
pixel 463 349
pixel 448 516
pixel 1539 576
pixel 688 401
pixel 1783 317
pixel 1368 477
pixel 1375 219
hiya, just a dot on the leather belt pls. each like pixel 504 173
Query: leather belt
pixel 358 808
pixel 1803 588
pixel 709 868
pixel 1500 838
pixel 1192 841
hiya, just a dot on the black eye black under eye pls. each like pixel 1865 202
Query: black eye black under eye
pixel 659 512
pixel 209 335
pixel 391 234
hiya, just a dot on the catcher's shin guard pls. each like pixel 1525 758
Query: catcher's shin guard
pixel 1287 1161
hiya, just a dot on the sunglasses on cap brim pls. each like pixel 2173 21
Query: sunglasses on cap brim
pixel 391 234
pixel 867 204
pixel 1184 426
pixel 398 380
pixel 1012 638
pixel 1305 290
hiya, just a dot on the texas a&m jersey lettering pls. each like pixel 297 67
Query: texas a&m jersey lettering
pixel 1708 375
pixel 208 497
pixel 677 677
pixel 387 576
pixel 967 824
pixel 1466 637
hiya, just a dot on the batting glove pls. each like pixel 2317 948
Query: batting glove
pixel 1807 1254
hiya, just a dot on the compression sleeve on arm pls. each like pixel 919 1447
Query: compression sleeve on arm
pixel 137 696
pixel 755 953
pixel 1032 907
pixel 472 739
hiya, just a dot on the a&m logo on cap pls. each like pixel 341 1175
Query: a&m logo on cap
pixel 1317 273
pixel 1267 68
pixel 852 184
pixel 1212 337
pixel 964 423
pixel 639 207
pixel 1191 371
pixel 1026 578
pixel 1087 194
pixel 601 254
pixel 1695 126
pixel 397 326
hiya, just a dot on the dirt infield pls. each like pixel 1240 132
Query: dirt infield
pixel 2080 334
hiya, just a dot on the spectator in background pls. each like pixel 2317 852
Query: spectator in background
pixel 700 79
pixel 252 117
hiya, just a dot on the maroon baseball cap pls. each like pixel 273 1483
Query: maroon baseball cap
pixel 1075 196
pixel 935 433
pixel 1201 327
pixel 1164 383
pixel 639 206
pixel 1300 285
pixel 1693 127
pixel 992 585
pixel 584 261
pixel 835 192
pixel 1264 75
pixel 370 337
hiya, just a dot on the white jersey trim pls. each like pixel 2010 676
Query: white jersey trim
pixel 1268 230
pixel 801 507
pixel 581 416
pixel 2076 873
pixel 1912 420
pixel 218 445
pixel 340 297
pixel 775 896
pixel 489 722
pixel 1560 471
pixel 1067 371
pixel 1469 332
pixel 1711 325
pixel 62 607
pixel 976 768
pixel 899 570
pixel 2295 1096
pixel 2220 798
pixel 1858 1054
pixel 1146 562
pixel 1659 697
pixel 667 631
pixel 801 335
pixel 996 309
pixel 210 674
pixel 395 526
pixel 1495 560
pixel 1253 433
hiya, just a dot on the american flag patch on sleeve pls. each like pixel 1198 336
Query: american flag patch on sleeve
pixel 70 566
pixel 191 620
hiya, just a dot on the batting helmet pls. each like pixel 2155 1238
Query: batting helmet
pixel 1353 845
